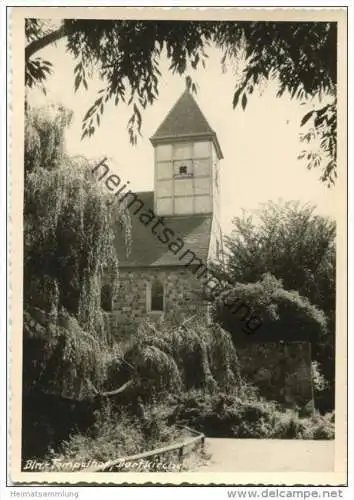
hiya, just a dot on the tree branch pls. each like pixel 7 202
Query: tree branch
pixel 119 390
pixel 39 44
pixel 111 393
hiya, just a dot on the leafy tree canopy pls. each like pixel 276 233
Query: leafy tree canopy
pixel 296 247
pixel 126 54
pixel 289 241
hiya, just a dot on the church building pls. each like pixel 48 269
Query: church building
pixel 175 233
pixel 175 229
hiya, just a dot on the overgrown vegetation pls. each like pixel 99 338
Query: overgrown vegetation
pixel 117 433
pixel 162 359
pixel 281 263
pixel 121 433
pixel 281 314
pixel 171 358
pixel 68 244
pixel 247 415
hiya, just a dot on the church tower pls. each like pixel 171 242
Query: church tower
pixel 187 154
pixel 161 275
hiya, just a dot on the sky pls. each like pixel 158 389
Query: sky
pixel 260 144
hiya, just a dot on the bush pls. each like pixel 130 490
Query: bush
pixel 319 427
pixel 223 415
pixel 289 426
pixel 109 438
pixel 117 435
pixel 246 416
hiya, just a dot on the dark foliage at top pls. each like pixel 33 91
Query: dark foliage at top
pixel 126 55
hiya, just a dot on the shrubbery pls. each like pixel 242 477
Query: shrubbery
pixel 288 425
pixel 244 416
pixel 118 434
pixel 109 438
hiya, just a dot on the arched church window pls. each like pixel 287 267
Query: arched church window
pixel 106 298
pixel 157 296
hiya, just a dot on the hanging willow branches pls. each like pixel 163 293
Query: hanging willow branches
pixel 170 357
pixel 69 242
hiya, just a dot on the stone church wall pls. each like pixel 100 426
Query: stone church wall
pixel 130 304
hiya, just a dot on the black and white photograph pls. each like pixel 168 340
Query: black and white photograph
pixel 179 256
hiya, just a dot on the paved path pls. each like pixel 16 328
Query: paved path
pixel 268 455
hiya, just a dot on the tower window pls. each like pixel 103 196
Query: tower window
pixel 156 297
pixel 182 168
pixel 106 298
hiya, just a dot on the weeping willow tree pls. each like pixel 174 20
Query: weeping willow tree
pixel 172 357
pixel 69 243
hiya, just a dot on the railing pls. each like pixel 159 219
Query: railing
pixel 180 447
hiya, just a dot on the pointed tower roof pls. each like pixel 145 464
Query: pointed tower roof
pixel 185 121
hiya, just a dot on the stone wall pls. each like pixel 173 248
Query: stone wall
pixel 282 371
pixel 130 303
